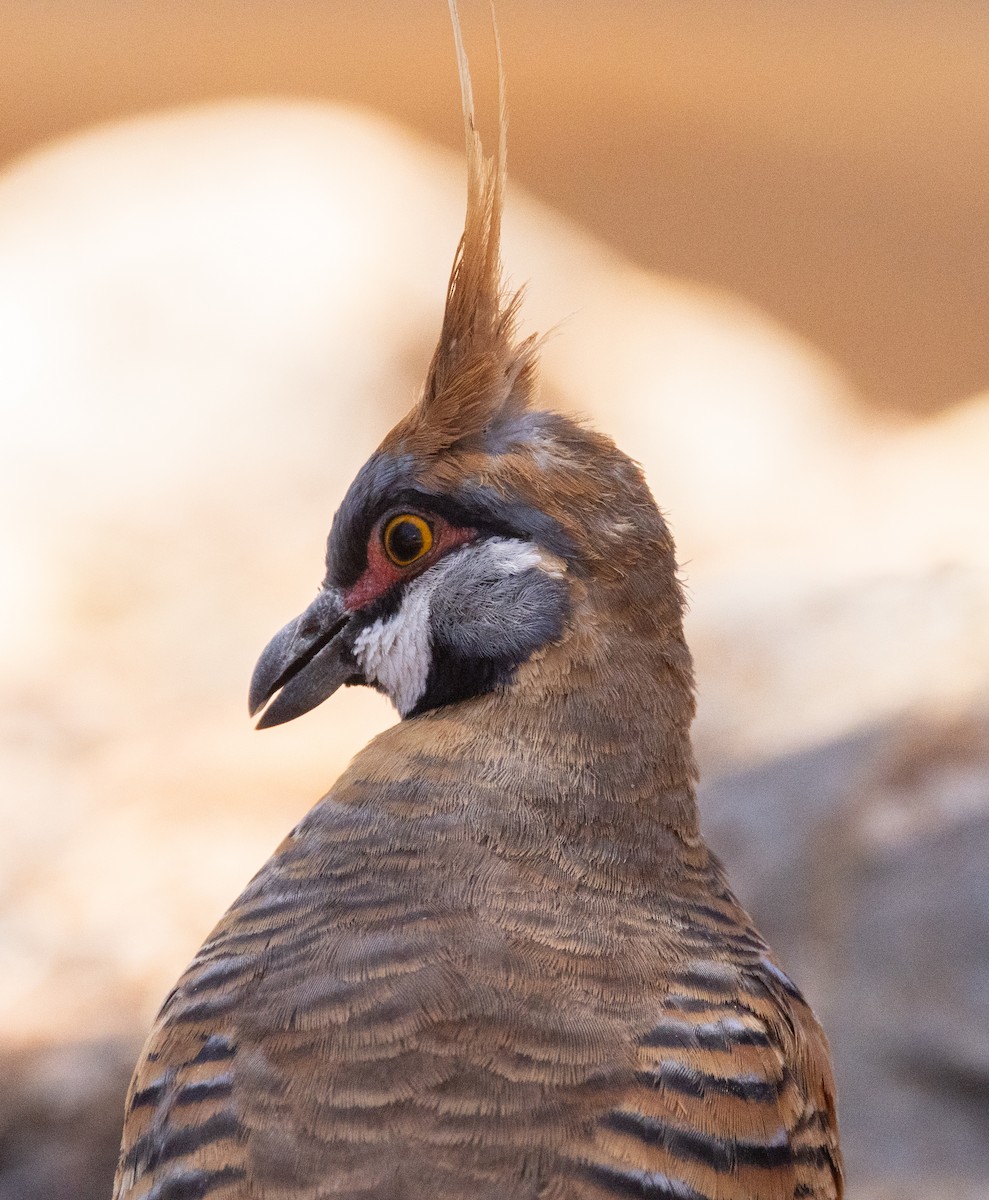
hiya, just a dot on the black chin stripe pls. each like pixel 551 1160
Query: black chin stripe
pixel 452 678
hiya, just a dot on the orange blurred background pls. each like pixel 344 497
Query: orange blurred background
pixel 828 161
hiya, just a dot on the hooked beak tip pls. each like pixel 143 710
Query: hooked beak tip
pixel 303 664
pixel 267 721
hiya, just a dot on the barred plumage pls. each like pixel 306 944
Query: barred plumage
pixel 497 960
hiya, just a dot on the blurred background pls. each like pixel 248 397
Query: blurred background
pixel 225 232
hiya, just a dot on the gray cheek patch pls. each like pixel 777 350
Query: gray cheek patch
pixel 500 604
pixel 466 624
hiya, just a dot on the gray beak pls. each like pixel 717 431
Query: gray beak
pixel 304 663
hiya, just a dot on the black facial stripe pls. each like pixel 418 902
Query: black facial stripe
pixel 485 510
pixel 452 678
pixel 379 484
pixel 385 606
pixel 385 483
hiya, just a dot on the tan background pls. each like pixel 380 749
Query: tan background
pixel 763 227
pixel 830 161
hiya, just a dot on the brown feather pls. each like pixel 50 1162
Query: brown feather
pixel 480 373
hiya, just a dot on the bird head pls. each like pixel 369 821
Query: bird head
pixel 483 534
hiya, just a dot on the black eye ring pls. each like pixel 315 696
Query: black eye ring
pixel 406 538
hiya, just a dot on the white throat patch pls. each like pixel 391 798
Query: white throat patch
pixel 396 652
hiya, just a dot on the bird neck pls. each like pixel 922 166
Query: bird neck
pixel 588 747
pixel 597 730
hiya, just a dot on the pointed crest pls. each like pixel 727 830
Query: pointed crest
pixel 479 375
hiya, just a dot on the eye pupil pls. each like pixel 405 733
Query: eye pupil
pixel 407 538
pixel 406 541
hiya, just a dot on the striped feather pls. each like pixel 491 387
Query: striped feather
pixel 413 998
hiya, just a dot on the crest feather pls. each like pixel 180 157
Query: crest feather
pixel 479 376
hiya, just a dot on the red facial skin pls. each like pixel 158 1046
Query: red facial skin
pixel 381 573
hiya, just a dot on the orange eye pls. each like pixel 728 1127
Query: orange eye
pixel 406 538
